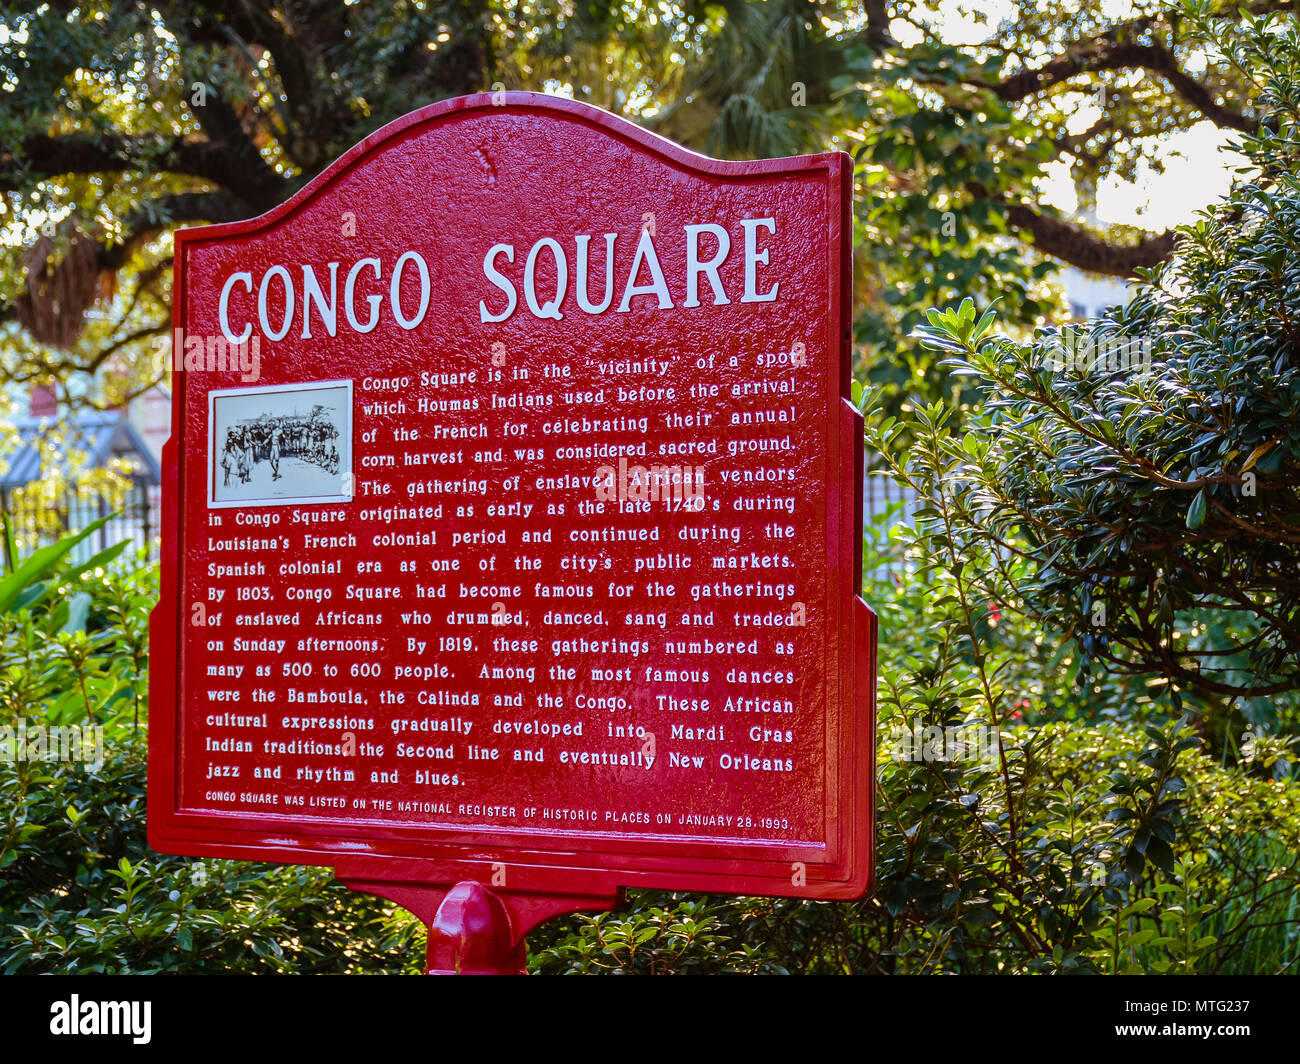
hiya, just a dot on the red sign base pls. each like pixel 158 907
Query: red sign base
pixel 475 932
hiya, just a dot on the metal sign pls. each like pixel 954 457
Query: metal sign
pixel 512 525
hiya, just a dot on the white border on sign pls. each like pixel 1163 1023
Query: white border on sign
pixel 345 456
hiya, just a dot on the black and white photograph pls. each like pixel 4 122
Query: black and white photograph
pixel 289 443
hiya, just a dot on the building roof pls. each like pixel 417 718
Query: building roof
pixel 101 435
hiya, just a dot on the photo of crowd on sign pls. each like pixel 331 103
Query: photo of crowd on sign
pixel 281 445
pixel 310 438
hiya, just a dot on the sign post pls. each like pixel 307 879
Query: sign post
pixel 512 528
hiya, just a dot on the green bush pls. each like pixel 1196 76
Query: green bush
pixel 1085 842
pixel 80 891
pixel 1148 464
pixel 83 893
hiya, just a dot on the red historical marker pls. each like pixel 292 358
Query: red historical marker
pixel 511 535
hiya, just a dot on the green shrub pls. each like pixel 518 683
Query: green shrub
pixel 1098 836
pixel 80 891
pixel 83 893
pixel 1157 499
pixel 1086 843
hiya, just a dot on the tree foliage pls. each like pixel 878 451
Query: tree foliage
pixel 1025 825
pixel 120 121
pixel 1148 465
pixel 1073 838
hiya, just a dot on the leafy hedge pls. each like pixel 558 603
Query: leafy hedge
pixel 80 891
pixel 83 893
pixel 1099 836
pixel 1148 463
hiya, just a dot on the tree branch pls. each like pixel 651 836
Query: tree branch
pixel 219 161
pixel 877 32
pixel 154 216
pixel 1076 246
pixel 1096 56
pixel 1087 251
pixel 230 158
pixel 159 214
